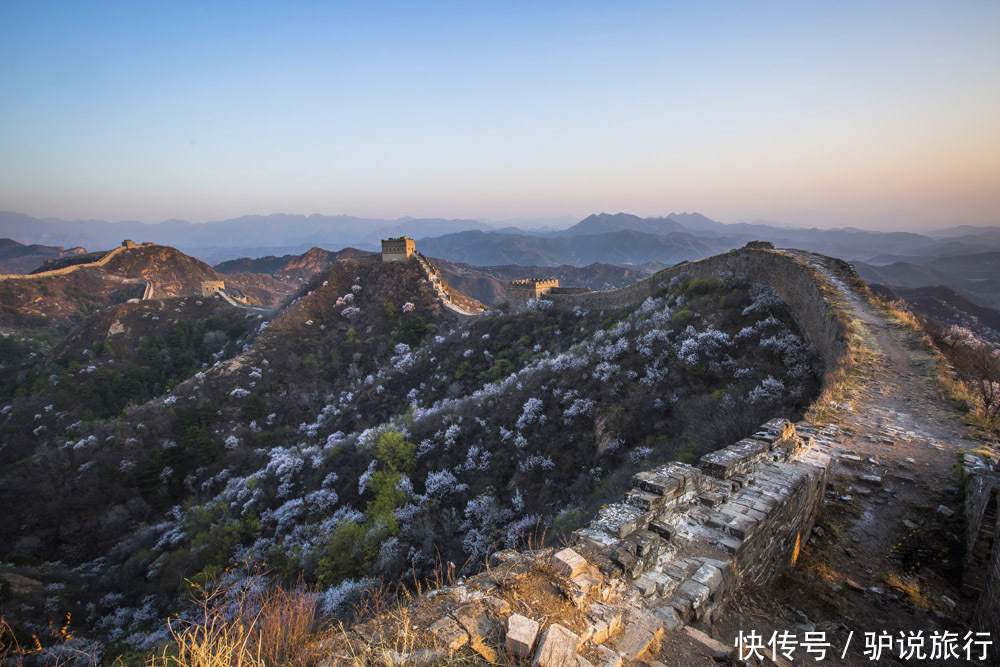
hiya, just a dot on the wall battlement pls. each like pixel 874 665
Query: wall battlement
pixel 684 533
pixel 530 288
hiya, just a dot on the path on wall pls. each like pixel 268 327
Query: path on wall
pixel 439 288
pixel 895 444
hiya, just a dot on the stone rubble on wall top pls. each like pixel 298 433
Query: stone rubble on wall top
pixel 521 634
pixel 557 648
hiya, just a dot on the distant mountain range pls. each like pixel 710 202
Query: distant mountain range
pixel 974 275
pixel 639 240
pixel 893 258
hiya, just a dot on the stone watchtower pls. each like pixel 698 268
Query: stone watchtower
pixel 210 287
pixel 398 250
pixel 530 288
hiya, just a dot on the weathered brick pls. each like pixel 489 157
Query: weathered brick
pixel 640 632
pixel 569 563
pixel 604 622
pixel 556 648
pixel 521 634
pixel 694 591
pixel 607 657
pixel 447 632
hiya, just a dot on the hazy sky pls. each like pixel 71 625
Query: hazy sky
pixel 873 114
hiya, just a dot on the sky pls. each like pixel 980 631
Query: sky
pixel 867 114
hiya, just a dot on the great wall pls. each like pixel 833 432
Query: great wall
pixel 650 577
pixel 62 271
pixel 403 249
pixel 653 575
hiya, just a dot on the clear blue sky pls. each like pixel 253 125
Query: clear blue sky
pixel 817 113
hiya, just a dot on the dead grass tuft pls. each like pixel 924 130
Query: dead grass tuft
pixel 243 627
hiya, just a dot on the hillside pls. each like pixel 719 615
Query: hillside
pixel 489 283
pixel 363 432
pixel 946 308
pixel 58 299
pixel 294 269
pixel 19 258
pixel 976 275
pixel 174 273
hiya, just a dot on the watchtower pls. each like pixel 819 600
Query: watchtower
pixel 530 288
pixel 398 250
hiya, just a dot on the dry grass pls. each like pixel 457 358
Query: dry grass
pixel 910 588
pixel 14 653
pixel 244 628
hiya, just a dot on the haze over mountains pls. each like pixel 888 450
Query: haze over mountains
pixel 620 238
pixel 963 257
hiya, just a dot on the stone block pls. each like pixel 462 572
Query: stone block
pixel 521 634
pixel 498 606
pixel 644 500
pixel 667 616
pixel 661 529
pixel 447 632
pixel 741 526
pixel 604 622
pixel 709 576
pixel 556 648
pixel 426 657
pixel 644 541
pixel 475 620
pixel 607 657
pixel 587 581
pixel 645 584
pixel 640 633
pixel 625 559
pixel 569 563
pixel 694 591
pixel 731 544
pixel 621 519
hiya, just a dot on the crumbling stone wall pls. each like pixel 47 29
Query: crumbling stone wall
pixel 982 555
pixel 793 280
pixel 687 537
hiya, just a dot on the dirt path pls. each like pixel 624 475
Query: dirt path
pixel 885 555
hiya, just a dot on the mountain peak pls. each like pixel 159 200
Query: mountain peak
pixel 602 223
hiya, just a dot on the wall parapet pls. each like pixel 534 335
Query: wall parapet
pixel 684 533
pixel 981 575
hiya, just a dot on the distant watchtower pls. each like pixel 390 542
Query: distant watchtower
pixel 530 288
pixel 210 287
pixel 129 243
pixel 398 250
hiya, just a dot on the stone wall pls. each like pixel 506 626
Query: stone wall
pixel 791 278
pixel 65 270
pixel 982 557
pixel 686 537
